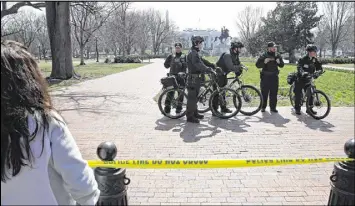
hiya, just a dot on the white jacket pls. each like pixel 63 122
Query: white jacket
pixel 60 176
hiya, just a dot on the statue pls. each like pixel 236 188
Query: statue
pixel 224 35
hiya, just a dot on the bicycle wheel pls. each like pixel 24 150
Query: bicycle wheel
pixel 227 98
pixel 251 100
pixel 176 98
pixel 203 97
pixel 292 96
pixel 319 99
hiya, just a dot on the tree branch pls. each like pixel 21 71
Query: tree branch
pixel 14 9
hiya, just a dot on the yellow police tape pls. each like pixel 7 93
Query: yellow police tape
pixel 207 164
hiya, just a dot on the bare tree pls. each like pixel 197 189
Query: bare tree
pixel 132 30
pixel 42 36
pixel 321 37
pixel 7 29
pixel 120 23
pixel 87 18
pixel 160 29
pixel 248 23
pixel 5 11
pixel 58 23
pixel 143 36
pixel 26 26
pixel 337 15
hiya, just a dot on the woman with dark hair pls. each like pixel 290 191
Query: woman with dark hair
pixel 40 161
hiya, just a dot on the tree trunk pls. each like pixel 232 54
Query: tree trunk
pixel 334 49
pixel 44 53
pixel 292 57
pixel 58 23
pixel 82 55
pixel 97 52
pixel 88 51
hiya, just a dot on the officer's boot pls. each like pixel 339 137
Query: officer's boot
pixel 199 116
pixel 308 111
pixel 167 109
pixel 298 110
pixel 226 110
pixel 192 120
pixel 178 110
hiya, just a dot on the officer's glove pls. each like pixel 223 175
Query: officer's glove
pixel 278 61
pixel 213 72
pixel 304 74
pixel 266 60
pixel 316 75
pixel 244 67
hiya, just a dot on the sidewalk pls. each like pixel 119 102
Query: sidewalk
pixel 120 108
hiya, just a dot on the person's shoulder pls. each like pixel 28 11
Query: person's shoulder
pixel 263 55
pixel 55 121
pixel 304 58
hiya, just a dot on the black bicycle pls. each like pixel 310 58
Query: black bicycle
pixel 251 96
pixel 178 100
pixel 313 97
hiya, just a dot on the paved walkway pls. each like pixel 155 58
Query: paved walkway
pixel 339 67
pixel 120 108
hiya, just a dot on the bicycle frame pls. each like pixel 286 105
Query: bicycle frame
pixel 209 84
pixel 311 88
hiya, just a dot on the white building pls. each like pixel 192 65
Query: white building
pixel 208 34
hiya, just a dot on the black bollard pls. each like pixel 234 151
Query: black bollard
pixel 112 182
pixel 342 179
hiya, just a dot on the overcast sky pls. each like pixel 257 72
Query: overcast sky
pixel 200 15
pixel 204 15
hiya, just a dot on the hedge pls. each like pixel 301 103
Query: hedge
pixel 337 60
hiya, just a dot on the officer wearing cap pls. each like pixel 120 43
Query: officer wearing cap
pixel 309 64
pixel 269 75
pixel 177 63
pixel 228 62
pixel 196 68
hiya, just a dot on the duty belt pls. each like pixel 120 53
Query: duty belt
pixel 195 75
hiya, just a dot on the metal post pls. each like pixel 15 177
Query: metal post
pixel 112 182
pixel 342 180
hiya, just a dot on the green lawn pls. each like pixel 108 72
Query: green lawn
pixel 339 86
pixel 91 70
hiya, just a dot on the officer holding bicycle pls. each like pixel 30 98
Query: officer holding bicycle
pixel 228 62
pixel 308 65
pixel 196 68
pixel 269 76
pixel 177 63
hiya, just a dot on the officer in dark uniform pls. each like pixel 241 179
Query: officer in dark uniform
pixel 196 68
pixel 309 64
pixel 228 62
pixel 269 76
pixel 177 63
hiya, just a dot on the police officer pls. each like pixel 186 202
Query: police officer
pixel 269 75
pixel 228 62
pixel 177 63
pixel 196 68
pixel 309 64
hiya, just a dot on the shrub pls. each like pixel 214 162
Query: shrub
pixel 337 60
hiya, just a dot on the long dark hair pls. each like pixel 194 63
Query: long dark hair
pixel 24 92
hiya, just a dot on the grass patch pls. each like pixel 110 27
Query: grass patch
pixel 91 70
